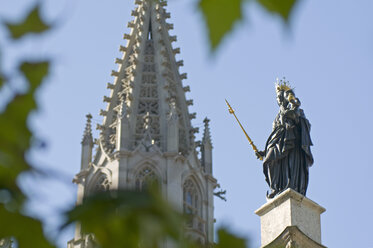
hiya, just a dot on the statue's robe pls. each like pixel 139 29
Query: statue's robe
pixel 287 152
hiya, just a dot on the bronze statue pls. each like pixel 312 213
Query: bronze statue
pixel 287 154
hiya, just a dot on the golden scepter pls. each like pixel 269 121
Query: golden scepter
pixel 231 111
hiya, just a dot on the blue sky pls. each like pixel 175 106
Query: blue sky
pixel 327 55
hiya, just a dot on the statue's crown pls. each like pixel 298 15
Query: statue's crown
pixel 282 85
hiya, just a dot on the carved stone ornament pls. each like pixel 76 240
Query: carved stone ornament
pixel 292 237
pixel 291 244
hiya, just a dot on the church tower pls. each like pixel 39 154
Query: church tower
pixel 146 131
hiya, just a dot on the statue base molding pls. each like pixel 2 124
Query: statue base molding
pixel 290 220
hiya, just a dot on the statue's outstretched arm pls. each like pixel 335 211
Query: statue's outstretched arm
pixel 260 154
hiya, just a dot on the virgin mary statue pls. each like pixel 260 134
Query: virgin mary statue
pixel 287 155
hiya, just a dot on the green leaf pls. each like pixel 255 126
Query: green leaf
pixel 15 141
pixel 279 7
pixel 128 218
pixel 2 80
pixel 220 16
pixel 15 136
pixel 35 72
pixel 229 240
pixel 27 231
pixel 32 23
pixel 8 184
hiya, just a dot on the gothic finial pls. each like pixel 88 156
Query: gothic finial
pixel 206 133
pixel 131 24
pixel 118 61
pixel 122 48
pixel 176 50
pixel 87 136
pixel 183 76
pixel 186 88
pixel 173 38
pixel 189 102
pixel 180 63
pixel 167 15
pixel 169 26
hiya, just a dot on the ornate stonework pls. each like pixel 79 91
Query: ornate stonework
pixel 292 237
pixel 146 132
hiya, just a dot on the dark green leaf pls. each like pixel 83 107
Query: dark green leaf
pixel 228 240
pixel 220 16
pixel 280 7
pixel 15 136
pixel 27 231
pixel 15 141
pixel 2 77
pixel 35 72
pixel 32 23
pixel 128 218
pixel 8 184
pixel 2 80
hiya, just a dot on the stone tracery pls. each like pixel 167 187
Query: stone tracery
pixel 191 198
pixel 145 177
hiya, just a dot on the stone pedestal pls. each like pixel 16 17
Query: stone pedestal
pixel 290 220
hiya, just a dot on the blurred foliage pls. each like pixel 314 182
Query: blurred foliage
pixel 227 239
pixel 282 8
pixel 118 219
pixel 221 15
pixel 15 136
pixel 27 231
pixel 129 218
pixel 144 217
pixel 16 140
pixel 2 80
pixel 32 23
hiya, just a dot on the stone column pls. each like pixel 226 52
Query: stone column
pixel 290 220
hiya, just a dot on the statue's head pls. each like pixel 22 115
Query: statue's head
pixel 283 92
pixel 282 85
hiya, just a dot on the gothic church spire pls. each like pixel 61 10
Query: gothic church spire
pixel 146 130
pixel 146 84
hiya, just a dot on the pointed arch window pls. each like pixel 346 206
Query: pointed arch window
pixel 145 177
pixel 192 198
pixel 193 206
pixel 150 33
